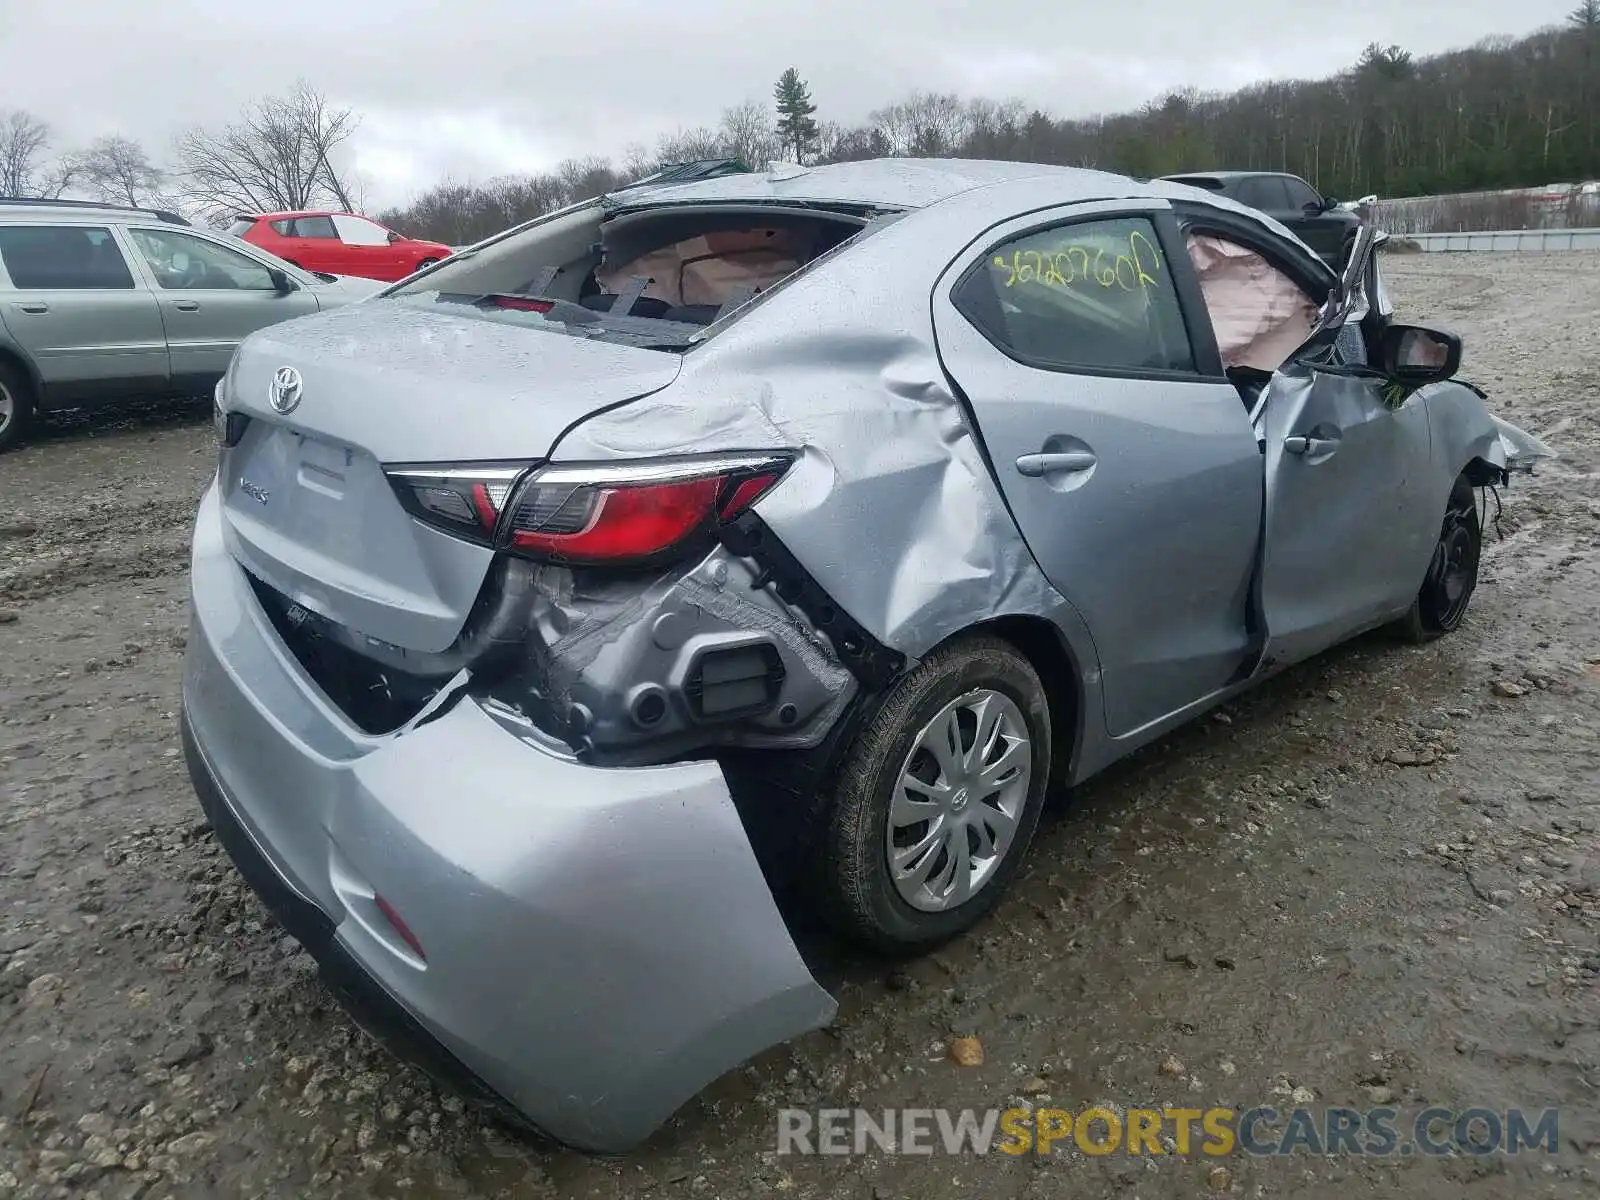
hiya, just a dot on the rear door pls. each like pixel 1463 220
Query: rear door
pixel 1127 459
pixel 366 249
pixel 313 244
pixel 70 299
pixel 211 298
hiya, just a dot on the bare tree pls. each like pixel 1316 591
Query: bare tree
pixel 583 178
pixel 749 135
pixel 925 125
pixel 638 160
pixel 279 155
pixel 24 143
pixel 688 145
pixel 117 170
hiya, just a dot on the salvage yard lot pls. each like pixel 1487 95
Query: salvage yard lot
pixel 1375 880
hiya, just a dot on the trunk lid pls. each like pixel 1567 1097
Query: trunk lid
pixel 307 507
pixel 413 384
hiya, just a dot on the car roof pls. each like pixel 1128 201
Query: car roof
pixel 82 210
pixel 899 184
pixel 299 212
pixel 1230 176
pixel 891 183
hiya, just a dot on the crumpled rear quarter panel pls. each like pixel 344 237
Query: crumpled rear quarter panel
pixel 891 506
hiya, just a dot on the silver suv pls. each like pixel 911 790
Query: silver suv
pixel 100 304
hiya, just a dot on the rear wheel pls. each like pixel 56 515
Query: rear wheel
pixel 426 263
pixel 1452 576
pixel 16 406
pixel 937 799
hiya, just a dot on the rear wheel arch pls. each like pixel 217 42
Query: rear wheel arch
pixel 23 364
pixel 1044 646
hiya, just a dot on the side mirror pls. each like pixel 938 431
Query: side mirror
pixel 1413 355
pixel 1329 203
pixel 394 237
pixel 281 283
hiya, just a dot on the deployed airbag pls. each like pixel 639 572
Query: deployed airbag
pixel 1260 315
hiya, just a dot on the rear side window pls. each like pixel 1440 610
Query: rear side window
pixel 1089 296
pixel 1264 192
pixel 313 227
pixel 65 258
pixel 241 227
pixel 1199 181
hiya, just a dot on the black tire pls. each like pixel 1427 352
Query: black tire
pixel 858 894
pixel 16 406
pixel 1452 576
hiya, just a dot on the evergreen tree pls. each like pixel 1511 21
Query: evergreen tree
pixel 797 128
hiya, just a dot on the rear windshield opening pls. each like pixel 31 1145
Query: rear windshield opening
pixel 653 278
pixel 692 265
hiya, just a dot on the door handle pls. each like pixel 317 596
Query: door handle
pixel 186 305
pixel 34 306
pixel 1035 465
pixel 1310 445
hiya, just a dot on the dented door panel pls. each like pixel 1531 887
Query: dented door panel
pixel 1350 521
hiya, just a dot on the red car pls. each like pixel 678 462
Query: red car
pixel 337 243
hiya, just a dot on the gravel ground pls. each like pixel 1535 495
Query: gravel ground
pixel 1375 879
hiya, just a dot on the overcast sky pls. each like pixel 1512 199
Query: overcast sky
pixel 481 87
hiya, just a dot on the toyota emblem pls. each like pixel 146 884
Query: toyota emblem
pixel 286 387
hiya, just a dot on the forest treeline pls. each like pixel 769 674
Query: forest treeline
pixel 1505 113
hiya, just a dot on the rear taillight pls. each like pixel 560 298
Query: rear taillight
pixel 463 500
pixel 591 514
pixel 228 425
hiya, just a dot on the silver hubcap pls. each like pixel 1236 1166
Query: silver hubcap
pixel 7 408
pixel 958 800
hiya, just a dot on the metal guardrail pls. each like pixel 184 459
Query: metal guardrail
pixel 1536 240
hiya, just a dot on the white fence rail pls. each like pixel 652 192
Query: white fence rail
pixel 1536 240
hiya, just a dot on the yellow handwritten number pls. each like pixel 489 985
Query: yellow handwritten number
pixel 1133 270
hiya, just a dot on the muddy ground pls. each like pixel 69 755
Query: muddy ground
pixel 1376 879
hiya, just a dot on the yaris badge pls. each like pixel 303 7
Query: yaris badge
pixel 286 389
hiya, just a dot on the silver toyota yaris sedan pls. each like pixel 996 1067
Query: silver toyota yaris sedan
pixel 561 606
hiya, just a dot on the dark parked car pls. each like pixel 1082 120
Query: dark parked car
pixel 1317 220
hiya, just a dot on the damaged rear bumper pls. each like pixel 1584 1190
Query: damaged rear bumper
pixel 596 944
